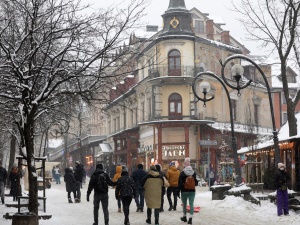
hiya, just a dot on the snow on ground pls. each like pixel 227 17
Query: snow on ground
pixel 230 211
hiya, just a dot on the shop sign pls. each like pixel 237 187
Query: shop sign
pixel 173 151
pixel 146 148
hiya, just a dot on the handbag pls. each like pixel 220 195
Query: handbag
pixel 166 183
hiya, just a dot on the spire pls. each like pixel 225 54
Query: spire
pixel 176 4
pixel 177 19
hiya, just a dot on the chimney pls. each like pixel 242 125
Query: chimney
pixel 225 37
pixel 210 29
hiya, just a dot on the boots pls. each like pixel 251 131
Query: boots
pixel 190 221
pixel 119 210
pixel 70 200
pixel 183 219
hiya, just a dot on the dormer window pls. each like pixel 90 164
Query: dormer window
pixel 199 26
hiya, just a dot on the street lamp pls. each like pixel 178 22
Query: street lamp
pixel 241 69
pixel 237 71
pixel 203 89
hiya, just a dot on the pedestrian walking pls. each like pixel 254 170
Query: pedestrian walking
pixel 115 179
pixel 57 174
pixel 13 178
pixel 126 190
pixel 281 178
pixel 211 177
pixel 153 184
pixel 3 178
pixel 163 189
pixel 172 176
pixel 138 176
pixel 78 174
pixel 70 184
pixel 187 185
pixel 99 183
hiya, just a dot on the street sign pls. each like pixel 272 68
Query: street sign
pixel 207 142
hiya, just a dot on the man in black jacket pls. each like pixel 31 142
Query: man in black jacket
pixel 78 174
pixel 100 192
pixel 3 177
pixel 138 176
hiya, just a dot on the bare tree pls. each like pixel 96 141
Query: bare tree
pixel 275 24
pixel 51 51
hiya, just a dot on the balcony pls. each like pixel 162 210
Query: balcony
pixel 165 71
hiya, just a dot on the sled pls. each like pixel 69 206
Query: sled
pixel 196 208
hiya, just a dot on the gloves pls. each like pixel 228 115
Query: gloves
pixel 88 198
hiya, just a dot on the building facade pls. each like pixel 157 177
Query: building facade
pixel 153 115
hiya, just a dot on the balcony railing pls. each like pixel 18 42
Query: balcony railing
pixel 165 71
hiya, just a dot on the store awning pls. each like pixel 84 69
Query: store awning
pixel 105 148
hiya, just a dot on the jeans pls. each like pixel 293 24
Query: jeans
pixel 2 190
pixel 188 196
pixel 156 215
pixel 126 201
pixel 282 202
pixel 173 190
pixel 139 198
pixel 103 198
pixel 78 192
pixel 119 203
pixel 57 178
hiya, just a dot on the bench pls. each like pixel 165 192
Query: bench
pixel 26 205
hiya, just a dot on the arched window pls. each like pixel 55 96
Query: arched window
pixel 175 107
pixel 174 63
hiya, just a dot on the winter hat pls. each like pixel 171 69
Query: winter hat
pixel 152 167
pixel 77 162
pixel 280 165
pixel 140 166
pixel 15 165
pixel 71 168
pixel 187 162
pixel 99 166
pixel 172 164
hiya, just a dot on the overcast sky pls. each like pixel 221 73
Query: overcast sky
pixel 217 9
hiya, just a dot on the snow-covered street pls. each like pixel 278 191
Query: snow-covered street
pixel 230 211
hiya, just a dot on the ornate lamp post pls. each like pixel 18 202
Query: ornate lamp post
pixel 275 132
pixel 237 71
pixel 204 88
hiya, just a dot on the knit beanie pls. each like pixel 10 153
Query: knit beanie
pixel 152 167
pixel 187 162
pixel 280 165
pixel 172 164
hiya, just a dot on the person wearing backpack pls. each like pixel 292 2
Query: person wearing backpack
pixel 172 176
pixel 125 187
pixel 99 183
pixel 187 183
